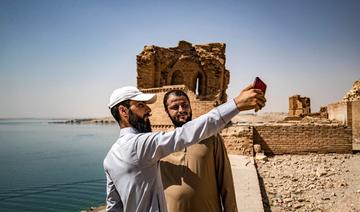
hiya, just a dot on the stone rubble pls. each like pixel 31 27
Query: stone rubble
pixel 314 182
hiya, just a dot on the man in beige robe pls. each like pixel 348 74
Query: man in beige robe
pixel 197 178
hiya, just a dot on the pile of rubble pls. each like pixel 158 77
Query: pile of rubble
pixel 354 93
pixel 318 120
pixel 313 182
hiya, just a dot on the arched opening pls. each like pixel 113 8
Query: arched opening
pixel 200 84
pixel 177 78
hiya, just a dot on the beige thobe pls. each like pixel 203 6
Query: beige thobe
pixel 199 178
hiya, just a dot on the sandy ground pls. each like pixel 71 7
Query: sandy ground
pixel 314 182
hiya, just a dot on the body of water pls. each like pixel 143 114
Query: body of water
pixel 52 167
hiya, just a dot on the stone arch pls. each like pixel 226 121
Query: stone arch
pixel 177 78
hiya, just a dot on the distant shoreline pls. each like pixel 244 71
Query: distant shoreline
pixel 246 117
pixel 105 120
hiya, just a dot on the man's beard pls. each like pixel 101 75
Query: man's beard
pixel 178 123
pixel 142 125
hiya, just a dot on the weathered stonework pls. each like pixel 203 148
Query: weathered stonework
pixel 198 70
pixel 299 106
pixel 355 119
pixel 201 68
pixel 347 111
pixel 288 138
pixel 354 93
pixel 303 138
pixel 238 139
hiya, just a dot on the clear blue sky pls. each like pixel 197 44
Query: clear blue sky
pixel 63 58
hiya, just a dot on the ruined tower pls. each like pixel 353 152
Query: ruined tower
pixel 199 70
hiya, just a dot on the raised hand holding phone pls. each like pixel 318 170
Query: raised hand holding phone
pixel 250 98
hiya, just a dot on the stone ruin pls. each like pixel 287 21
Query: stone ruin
pixel 347 112
pixel 199 70
pixel 300 110
pixel 299 106
pixel 353 94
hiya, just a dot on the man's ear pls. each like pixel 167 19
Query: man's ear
pixel 123 111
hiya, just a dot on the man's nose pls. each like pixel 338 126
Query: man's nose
pixel 147 109
pixel 181 109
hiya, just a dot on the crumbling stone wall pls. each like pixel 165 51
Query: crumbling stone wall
pixel 292 138
pixel 340 111
pixel 201 68
pixel 353 94
pixel 303 138
pixel 355 114
pixel 299 106
pixel 198 70
pixel 347 111
pixel 238 139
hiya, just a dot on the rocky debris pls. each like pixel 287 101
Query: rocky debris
pixel 353 94
pixel 261 156
pixel 313 182
pixel 318 120
pixel 257 148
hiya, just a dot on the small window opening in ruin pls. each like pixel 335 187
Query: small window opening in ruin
pixel 199 84
pixel 177 78
pixel 197 88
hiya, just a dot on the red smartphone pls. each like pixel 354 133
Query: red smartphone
pixel 259 84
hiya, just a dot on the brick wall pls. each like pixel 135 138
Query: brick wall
pixel 303 138
pixel 276 139
pixel 238 139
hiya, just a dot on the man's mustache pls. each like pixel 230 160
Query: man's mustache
pixel 183 114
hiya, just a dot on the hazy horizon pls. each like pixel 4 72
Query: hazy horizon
pixel 62 59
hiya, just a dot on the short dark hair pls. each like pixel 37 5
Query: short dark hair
pixel 175 93
pixel 115 110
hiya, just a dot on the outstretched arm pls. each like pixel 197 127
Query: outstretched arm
pixel 154 146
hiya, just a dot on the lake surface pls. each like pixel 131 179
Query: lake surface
pixel 52 167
